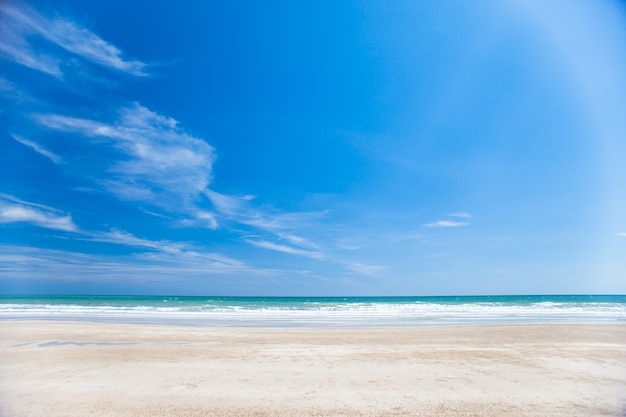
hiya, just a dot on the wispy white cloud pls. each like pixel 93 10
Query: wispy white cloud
pixel 200 263
pixel 200 218
pixel 349 244
pixel 274 226
pixel 124 238
pixel 6 85
pixel 231 206
pixel 239 209
pixel 353 267
pixel 446 223
pixel 38 263
pixel 163 165
pixel 14 210
pixel 451 223
pixel 365 269
pixel 20 24
pixel 12 92
pixel 622 234
pixel 298 241
pixel 37 148
pixel 285 249
pixel 461 214
pixel 14 47
pixel 181 250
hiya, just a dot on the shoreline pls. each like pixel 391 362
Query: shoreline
pixel 318 312
pixel 61 368
pixel 303 326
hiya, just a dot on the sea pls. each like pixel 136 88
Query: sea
pixel 316 312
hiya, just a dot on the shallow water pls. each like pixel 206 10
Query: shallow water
pixel 318 311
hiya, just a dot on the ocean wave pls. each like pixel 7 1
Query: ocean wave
pixel 322 313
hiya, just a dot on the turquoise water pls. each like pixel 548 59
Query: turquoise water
pixel 317 311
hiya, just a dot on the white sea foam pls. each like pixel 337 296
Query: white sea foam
pixel 324 314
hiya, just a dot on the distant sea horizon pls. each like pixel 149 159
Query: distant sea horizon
pixel 312 312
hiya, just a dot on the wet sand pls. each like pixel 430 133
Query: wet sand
pixel 93 369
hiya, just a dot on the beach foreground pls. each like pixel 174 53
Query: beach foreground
pixel 96 369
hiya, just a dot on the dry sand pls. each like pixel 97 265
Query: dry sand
pixel 66 369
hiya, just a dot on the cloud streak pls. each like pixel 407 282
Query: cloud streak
pixel 446 223
pixel 21 24
pixel 161 163
pixel 14 210
pixel 285 249
pixel 24 262
pixel 177 249
pixel 461 214
pixel 298 241
pixel 37 148
pixel 181 257
pixel 239 209
pixel 451 223
pixel 365 269
pixel 121 237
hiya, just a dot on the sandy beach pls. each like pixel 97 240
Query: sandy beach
pixel 94 369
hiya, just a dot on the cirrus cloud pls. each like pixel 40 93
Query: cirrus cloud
pixel 161 163
pixel 22 24
pixel 446 223
pixel 14 210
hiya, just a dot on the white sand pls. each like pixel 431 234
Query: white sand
pixel 65 369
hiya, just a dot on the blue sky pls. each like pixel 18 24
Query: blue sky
pixel 313 148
